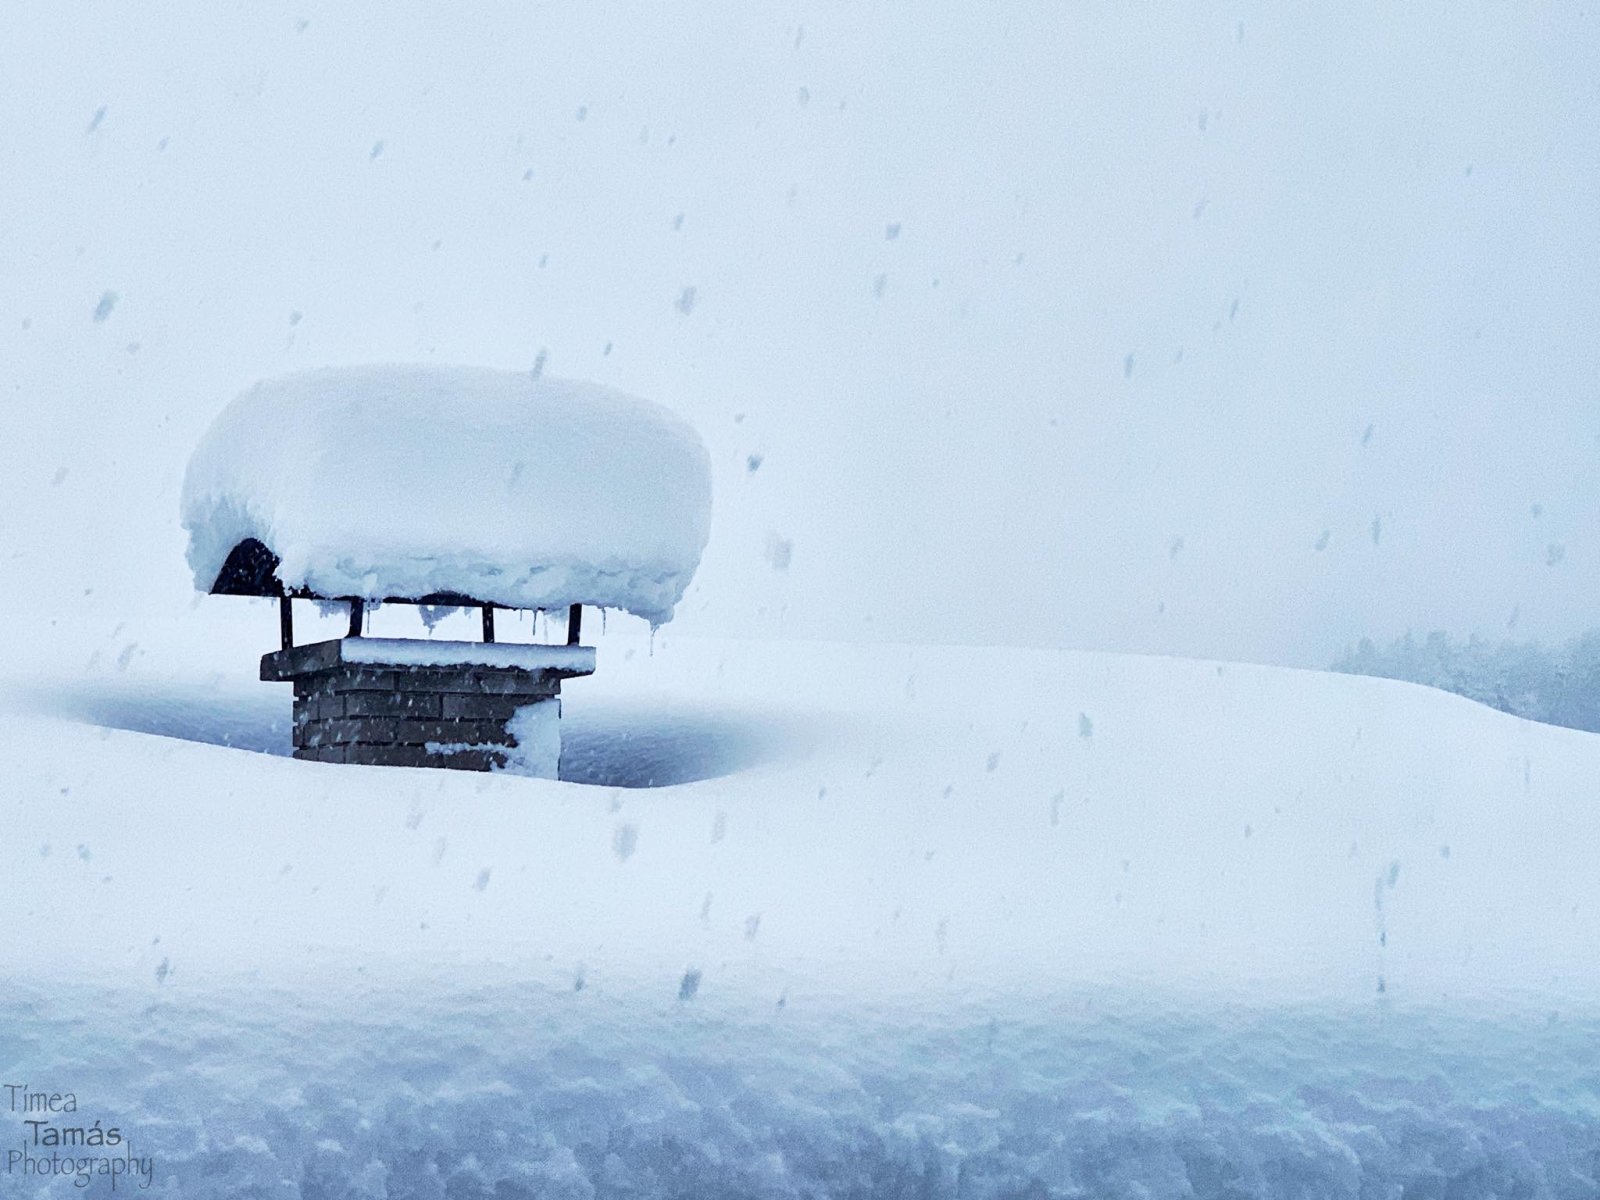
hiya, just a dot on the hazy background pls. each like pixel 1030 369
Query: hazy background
pixel 1220 329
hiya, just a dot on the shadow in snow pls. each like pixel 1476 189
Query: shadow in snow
pixel 193 712
pixel 636 744
pixel 640 744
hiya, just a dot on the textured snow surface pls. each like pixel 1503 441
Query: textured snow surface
pixel 406 481
pixel 835 921
pixel 515 1092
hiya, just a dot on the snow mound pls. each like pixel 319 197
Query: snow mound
pixel 400 482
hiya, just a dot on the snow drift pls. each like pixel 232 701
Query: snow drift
pixel 399 482
pixel 886 822
pixel 978 923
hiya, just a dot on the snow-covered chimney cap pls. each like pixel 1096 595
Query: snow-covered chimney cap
pixel 448 484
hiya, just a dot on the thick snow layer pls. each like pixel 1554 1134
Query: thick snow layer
pixel 406 481
pixel 417 652
pixel 941 922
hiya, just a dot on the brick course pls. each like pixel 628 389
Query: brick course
pixel 390 716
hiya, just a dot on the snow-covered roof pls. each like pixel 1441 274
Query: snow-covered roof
pixel 403 482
